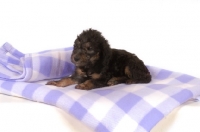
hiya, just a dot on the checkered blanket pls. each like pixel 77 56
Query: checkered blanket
pixel 16 66
pixel 119 108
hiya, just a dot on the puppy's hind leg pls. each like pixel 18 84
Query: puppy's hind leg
pixel 117 80
pixel 137 75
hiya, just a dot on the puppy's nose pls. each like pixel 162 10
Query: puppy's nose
pixel 76 58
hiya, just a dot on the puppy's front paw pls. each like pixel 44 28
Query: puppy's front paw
pixel 87 85
pixel 51 83
pixel 112 81
pixel 62 83
pixel 82 86
pixel 56 83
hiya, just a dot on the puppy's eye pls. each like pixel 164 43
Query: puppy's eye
pixel 89 48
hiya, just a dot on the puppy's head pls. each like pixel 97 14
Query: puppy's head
pixel 90 47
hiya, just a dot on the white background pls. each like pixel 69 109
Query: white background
pixel 163 33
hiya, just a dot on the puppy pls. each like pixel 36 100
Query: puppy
pixel 97 65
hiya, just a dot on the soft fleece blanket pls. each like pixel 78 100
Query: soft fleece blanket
pixel 120 108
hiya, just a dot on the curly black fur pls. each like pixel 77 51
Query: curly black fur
pixel 97 65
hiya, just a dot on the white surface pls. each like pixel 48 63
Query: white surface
pixel 20 115
pixel 183 119
pixel 163 33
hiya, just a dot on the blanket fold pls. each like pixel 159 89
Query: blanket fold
pixel 16 66
pixel 119 108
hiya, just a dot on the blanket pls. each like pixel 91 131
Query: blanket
pixel 16 66
pixel 119 108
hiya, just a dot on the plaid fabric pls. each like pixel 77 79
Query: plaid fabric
pixel 17 66
pixel 120 108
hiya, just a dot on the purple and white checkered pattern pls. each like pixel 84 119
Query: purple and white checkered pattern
pixel 120 108
pixel 17 66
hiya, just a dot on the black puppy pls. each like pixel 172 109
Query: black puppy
pixel 97 65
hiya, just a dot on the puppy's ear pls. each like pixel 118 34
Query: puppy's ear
pixel 106 55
